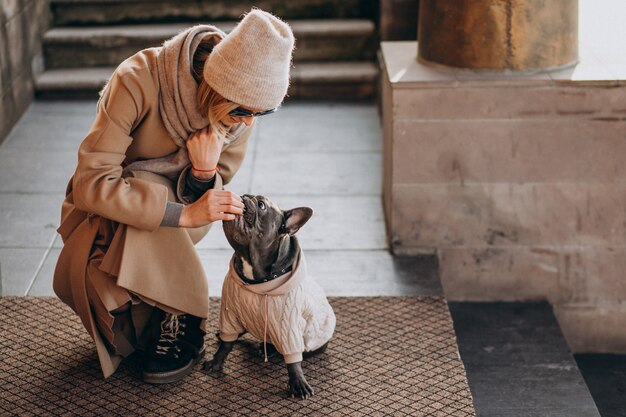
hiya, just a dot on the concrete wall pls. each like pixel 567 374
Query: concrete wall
pixel 22 26
pixel 398 20
pixel 517 183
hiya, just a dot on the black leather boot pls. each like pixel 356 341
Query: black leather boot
pixel 179 347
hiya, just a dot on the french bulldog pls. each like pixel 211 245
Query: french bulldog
pixel 268 293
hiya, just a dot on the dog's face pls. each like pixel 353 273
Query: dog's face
pixel 257 233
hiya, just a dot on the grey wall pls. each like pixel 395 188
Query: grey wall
pixel 398 20
pixel 22 26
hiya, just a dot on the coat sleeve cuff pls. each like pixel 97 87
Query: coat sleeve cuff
pixel 171 218
pixel 293 358
pixel 188 195
pixel 197 187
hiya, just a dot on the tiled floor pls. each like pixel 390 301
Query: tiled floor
pixel 323 155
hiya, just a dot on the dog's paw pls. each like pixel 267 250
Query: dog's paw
pixel 299 388
pixel 213 366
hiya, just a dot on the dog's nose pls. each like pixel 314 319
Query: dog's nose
pixel 244 199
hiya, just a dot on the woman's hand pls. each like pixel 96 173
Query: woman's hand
pixel 204 148
pixel 214 205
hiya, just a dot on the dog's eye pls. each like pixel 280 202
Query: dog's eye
pixel 261 205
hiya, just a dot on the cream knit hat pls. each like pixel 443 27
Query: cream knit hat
pixel 250 66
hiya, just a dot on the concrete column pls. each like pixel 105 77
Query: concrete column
pixel 498 35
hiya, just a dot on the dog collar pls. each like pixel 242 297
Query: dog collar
pixel 270 277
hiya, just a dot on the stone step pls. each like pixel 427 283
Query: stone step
pixel 518 362
pixel 605 375
pixel 100 46
pixel 106 12
pixel 336 80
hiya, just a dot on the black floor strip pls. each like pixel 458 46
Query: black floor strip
pixel 518 363
pixel 606 378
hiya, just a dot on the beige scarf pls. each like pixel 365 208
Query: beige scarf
pixel 178 104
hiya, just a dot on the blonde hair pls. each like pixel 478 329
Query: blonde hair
pixel 210 102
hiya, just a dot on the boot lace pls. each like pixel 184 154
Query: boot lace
pixel 171 328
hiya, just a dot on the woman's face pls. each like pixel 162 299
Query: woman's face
pixel 231 120
pixel 247 120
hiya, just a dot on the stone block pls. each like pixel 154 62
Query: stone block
pixel 42 285
pixel 503 214
pixel 328 48
pixel 387 126
pixel 22 90
pixel 498 80
pixel 508 100
pixel 310 133
pixel 371 273
pixel 17 269
pixel 359 90
pixel 7 115
pixel 594 274
pixel 340 222
pixel 598 329
pixel 508 150
pixel 10 8
pixel 29 220
pixel 516 181
pixel 32 30
pixel 578 101
pixel 322 111
pixel 5 77
pixel 585 284
pixel 404 72
pixel 89 12
pixel 317 40
pixel 43 131
pixel 17 45
pixel 589 72
pixel 43 16
pixel 70 109
pixel 36 171
pixel 317 174
pixel 501 274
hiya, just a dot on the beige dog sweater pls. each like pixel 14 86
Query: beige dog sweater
pixel 291 311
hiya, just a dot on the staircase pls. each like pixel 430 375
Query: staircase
pixel 335 41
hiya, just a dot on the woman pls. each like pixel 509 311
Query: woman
pixel 172 128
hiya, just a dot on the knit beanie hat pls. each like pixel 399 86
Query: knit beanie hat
pixel 250 66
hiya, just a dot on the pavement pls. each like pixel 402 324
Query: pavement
pixel 326 156
pixel 319 154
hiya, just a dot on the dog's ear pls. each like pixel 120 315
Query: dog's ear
pixel 294 219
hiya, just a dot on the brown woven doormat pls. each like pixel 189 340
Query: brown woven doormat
pixel 389 356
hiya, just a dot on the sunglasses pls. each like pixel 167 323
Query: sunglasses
pixel 239 112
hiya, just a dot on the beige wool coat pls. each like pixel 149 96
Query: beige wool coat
pixel 114 248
